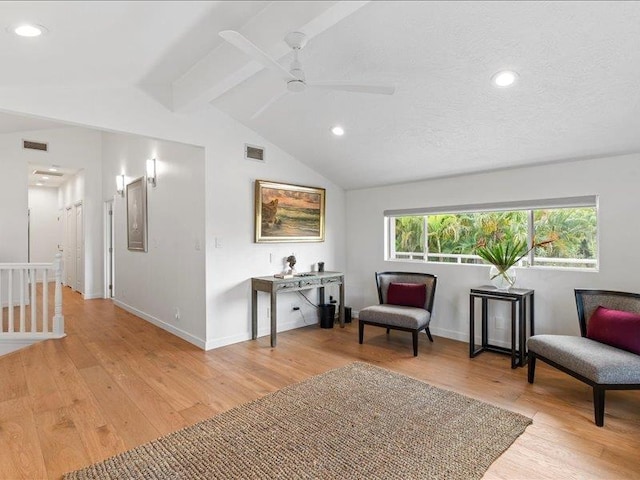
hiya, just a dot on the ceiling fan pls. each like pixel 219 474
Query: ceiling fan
pixel 295 77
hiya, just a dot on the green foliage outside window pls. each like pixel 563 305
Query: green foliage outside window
pixel 573 231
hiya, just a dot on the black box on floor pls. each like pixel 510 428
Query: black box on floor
pixel 327 312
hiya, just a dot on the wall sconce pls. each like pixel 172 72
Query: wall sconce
pixel 151 171
pixel 120 185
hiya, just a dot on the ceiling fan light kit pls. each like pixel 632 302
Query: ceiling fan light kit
pixel 295 77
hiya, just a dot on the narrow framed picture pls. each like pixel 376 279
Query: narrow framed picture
pixel 288 213
pixel 137 215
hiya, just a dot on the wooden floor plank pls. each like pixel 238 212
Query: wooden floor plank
pixel 117 381
pixel 60 441
pixel 128 418
pixel 21 449
pixel 12 378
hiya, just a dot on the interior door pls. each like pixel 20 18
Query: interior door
pixel 79 250
pixel 70 247
pixel 109 253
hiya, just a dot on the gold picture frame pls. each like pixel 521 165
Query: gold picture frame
pixel 137 215
pixel 288 213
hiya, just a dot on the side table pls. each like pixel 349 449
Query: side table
pixel 518 298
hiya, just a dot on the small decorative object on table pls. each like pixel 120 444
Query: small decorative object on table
pixel 291 260
pixel 503 256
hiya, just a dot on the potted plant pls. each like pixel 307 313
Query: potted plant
pixel 503 256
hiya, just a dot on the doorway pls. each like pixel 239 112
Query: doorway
pixel 74 247
pixel 109 254
pixel 69 248
pixel 79 248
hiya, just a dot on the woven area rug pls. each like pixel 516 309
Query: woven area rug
pixel 358 421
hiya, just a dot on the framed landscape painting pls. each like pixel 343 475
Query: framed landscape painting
pixel 137 215
pixel 289 213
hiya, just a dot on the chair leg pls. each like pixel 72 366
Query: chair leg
pixel 415 343
pixel 428 333
pixel 361 331
pixel 598 405
pixel 388 330
pixel 531 368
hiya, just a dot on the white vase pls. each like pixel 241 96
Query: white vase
pixel 502 280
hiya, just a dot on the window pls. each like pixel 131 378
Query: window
pixel 453 237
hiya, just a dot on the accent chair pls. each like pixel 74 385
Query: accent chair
pixel 606 360
pixel 406 303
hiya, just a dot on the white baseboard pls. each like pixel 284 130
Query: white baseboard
pixel 460 336
pixel 10 346
pixel 224 341
pixel 198 342
pixel 243 337
pixel 92 296
pixel 11 342
pixel 464 336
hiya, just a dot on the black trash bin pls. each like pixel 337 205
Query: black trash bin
pixel 327 312
pixel 347 314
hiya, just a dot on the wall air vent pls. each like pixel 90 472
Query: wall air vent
pixel 29 145
pixel 253 152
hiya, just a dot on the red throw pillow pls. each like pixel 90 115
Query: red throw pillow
pixel 407 294
pixel 616 328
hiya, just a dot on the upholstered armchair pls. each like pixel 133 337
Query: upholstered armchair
pixel 406 303
pixel 607 354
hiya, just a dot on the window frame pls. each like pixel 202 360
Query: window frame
pixel 390 254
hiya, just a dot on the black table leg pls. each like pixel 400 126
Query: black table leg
pixel 522 320
pixel 513 334
pixel 472 321
pixel 485 330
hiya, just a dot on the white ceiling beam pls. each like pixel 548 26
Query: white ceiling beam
pixel 225 67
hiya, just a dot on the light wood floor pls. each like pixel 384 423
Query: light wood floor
pixel 116 381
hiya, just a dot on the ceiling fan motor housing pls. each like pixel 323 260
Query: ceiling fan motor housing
pixel 296 86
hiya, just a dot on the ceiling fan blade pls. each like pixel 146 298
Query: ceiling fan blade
pixel 355 87
pixel 243 43
pixel 269 103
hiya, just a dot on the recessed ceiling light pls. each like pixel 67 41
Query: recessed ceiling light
pixel 45 178
pixel 53 169
pixel 29 30
pixel 39 184
pixel 505 78
pixel 338 131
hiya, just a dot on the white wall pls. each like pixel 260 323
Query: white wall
pixel 228 192
pixel 44 227
pixel 230 219
pixel 69 147
pixel 13 201
pixel 170 276
pixel 615 180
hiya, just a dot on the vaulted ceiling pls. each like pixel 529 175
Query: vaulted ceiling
pixel 577 93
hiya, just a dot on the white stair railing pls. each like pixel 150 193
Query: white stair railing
pixel 24 301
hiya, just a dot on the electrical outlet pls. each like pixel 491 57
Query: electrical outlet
pixel 177 314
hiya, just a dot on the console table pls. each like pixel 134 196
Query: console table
pixel 273 286
pixel 518 298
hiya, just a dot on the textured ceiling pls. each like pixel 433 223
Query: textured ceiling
pixel 578 92
pixel 577 95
